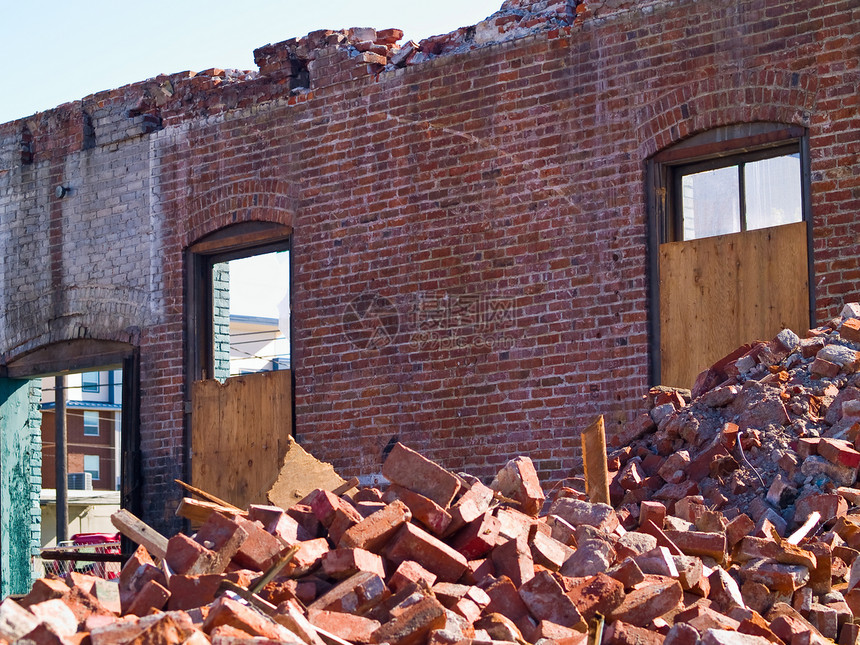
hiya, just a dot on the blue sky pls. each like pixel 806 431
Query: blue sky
pixel 55 51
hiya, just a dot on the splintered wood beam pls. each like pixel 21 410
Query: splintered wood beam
pixel 198 511
pixel 804 530
pixel 140 533
pixel 208 496
pixel 346 486
pixel 594 461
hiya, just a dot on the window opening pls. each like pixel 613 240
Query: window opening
pixel 250 314
pixel 87 407
pixel 730 180
pixel 741 193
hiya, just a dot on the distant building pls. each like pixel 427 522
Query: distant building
pixel 257 345
pixel 93 426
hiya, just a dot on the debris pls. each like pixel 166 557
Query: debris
pixel 692 548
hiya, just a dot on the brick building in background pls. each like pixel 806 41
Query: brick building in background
pixel 93 427
pixel 477 225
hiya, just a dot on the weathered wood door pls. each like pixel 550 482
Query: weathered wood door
pixel 240 433
pixel 718 293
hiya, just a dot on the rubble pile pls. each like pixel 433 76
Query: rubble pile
pixel 729 523
pixel 380 48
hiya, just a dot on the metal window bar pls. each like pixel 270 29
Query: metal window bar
pixel 100 560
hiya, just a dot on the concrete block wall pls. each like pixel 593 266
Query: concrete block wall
pixel 470 228
pixel 221 319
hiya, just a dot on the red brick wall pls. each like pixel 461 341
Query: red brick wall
pixel 512 174
pixel 78 444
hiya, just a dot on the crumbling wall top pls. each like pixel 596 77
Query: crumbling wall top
pixel 291 67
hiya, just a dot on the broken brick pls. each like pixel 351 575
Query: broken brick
pixel 411 470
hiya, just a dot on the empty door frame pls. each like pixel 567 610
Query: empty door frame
pixel 86 355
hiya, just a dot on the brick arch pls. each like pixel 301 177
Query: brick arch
pixel 244 200
pixel 76 353
pixel 778 96
pixel 102 314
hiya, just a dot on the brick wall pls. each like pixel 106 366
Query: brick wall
pixel 470 230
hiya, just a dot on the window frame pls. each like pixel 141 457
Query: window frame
pixel 91 388
pixel 233 243
pixel 738 160
pixel 721 147
pixel 98 423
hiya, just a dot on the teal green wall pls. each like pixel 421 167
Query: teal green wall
pixel 20 482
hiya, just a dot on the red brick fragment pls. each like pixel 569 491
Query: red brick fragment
pixel 651 601
pixel 471 505
pixel 413 543
pixel 260 549
pixel 307 558
pixel 514 560
pixel 412 626
pixel 225 611
pixel 652 511
pixel 355 595
pixel 343 563
pixel 374 531
pixel 432 516
pixel 352 628
pixel 410 571
pixel 188 592
pixel 518 480
pixel 598 594
pixel 838 451
pixel 151 596
pixel 621 633
pixel 411 470
pixel 546 600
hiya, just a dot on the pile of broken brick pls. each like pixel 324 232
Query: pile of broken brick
pixel 729 524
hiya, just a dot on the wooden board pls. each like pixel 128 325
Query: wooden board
pixel 594 461
pixel 718 293
pixel 240 433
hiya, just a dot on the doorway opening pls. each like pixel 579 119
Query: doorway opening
pixel 104 450
pixel 239 375
pixel 93 422
pixel 251 314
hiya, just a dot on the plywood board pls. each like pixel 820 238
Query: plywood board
pixel 240 433
pixel 720 292
pixel 300 474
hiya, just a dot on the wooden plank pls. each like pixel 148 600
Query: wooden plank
pixel 198 511
pixel 240 434
pixel 227 241
pixel 139 532
pixel 70 355
pixel 594 460
pixel 207 496
pixel 720 292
